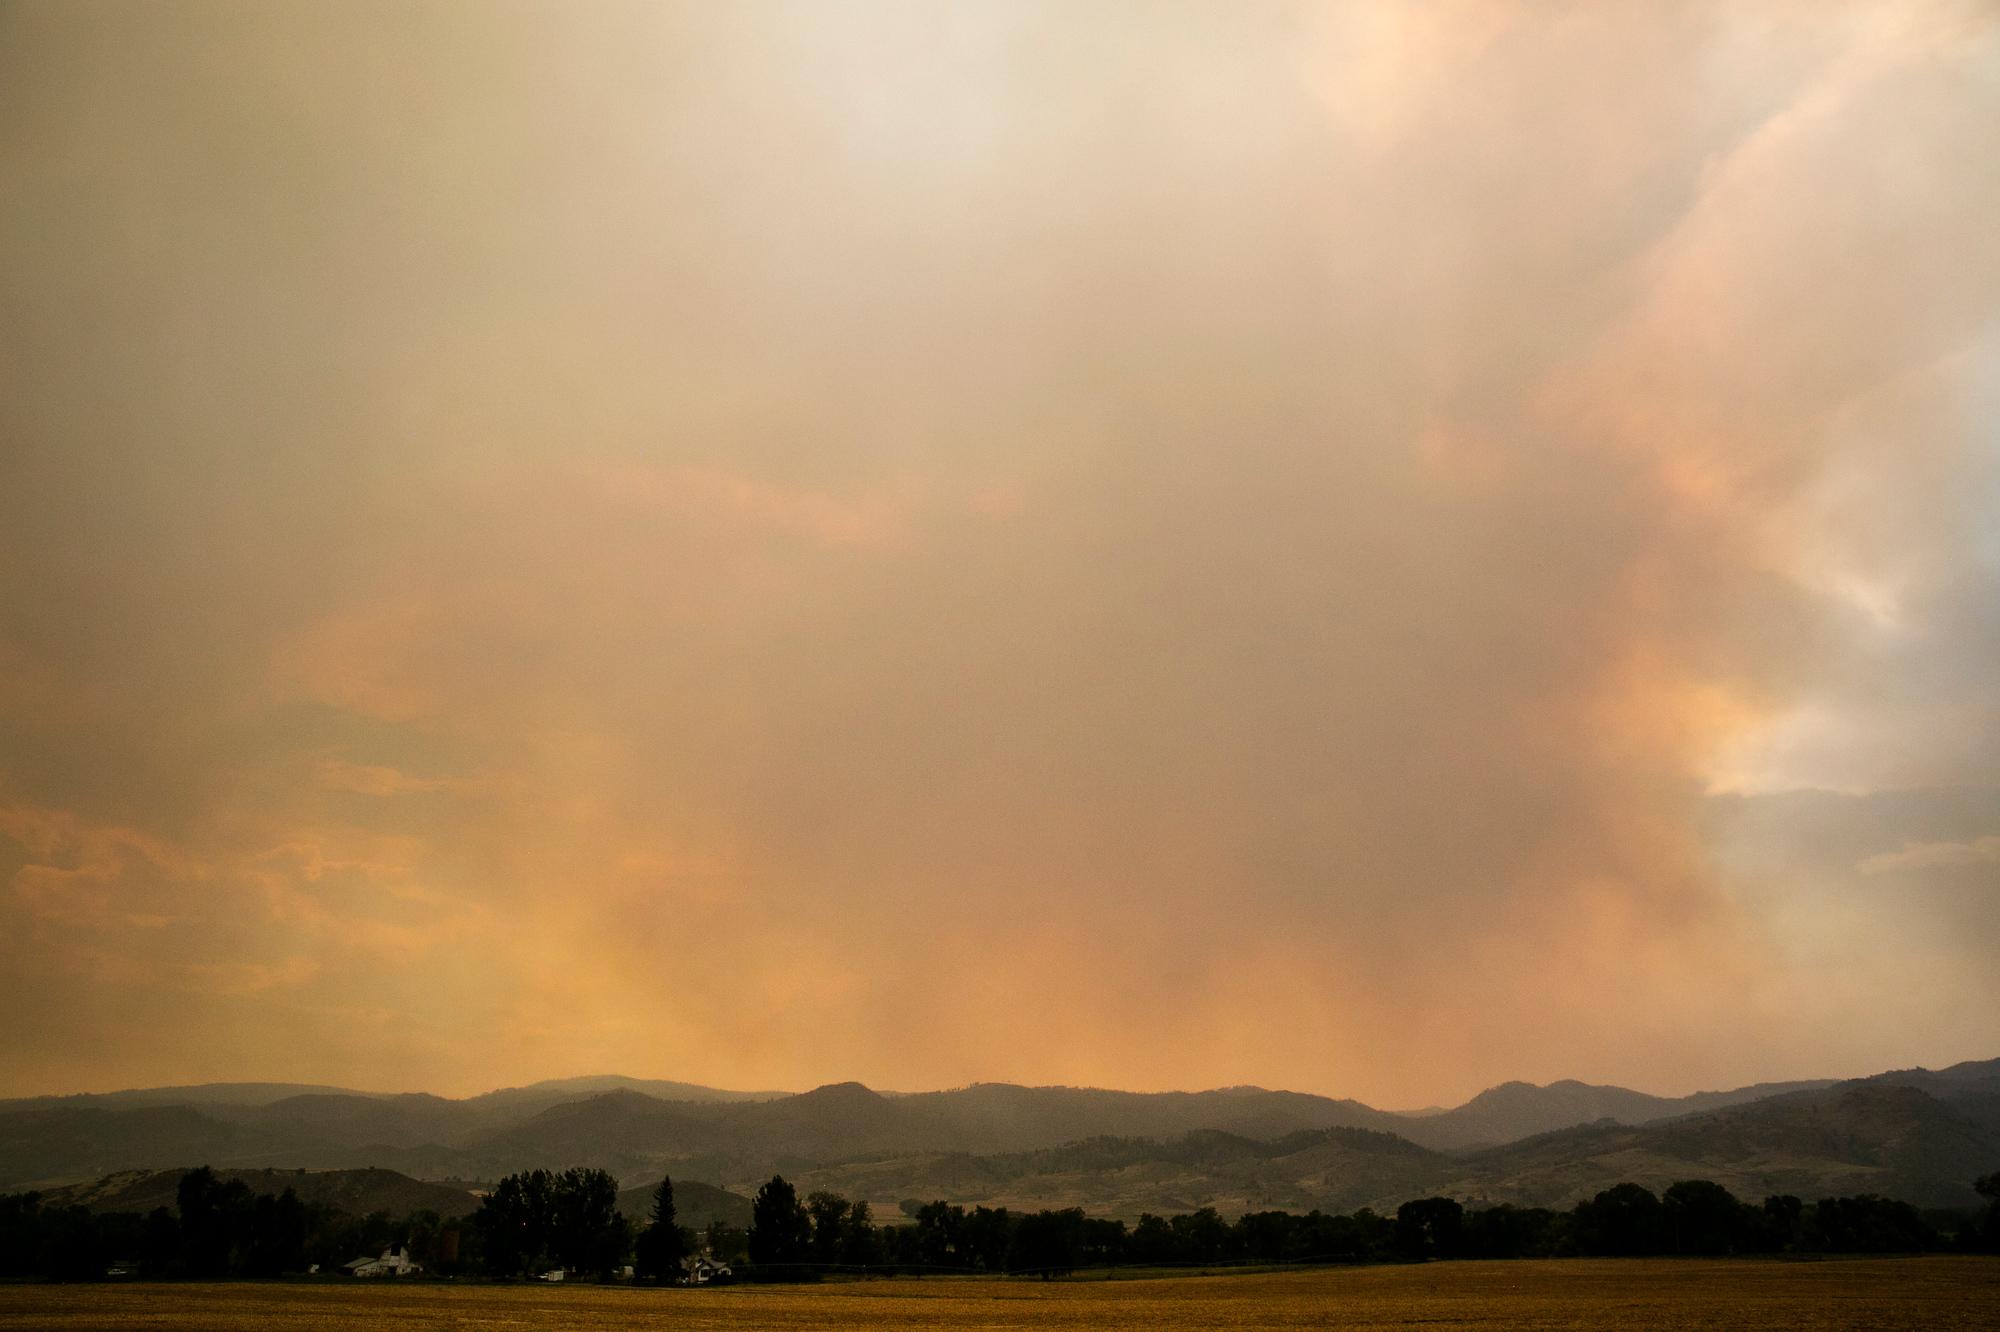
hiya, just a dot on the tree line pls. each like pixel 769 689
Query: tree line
pixel 825 1232
pixel 217 1229
pixel 540 1219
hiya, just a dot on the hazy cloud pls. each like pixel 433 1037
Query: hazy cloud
pixel 1147 545
pixel 1934 855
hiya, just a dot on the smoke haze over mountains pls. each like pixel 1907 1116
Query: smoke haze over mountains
pixel 1366 548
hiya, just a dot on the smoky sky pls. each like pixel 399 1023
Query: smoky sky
pixel 1368 548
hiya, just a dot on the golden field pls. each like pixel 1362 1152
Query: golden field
pixel 1861 1293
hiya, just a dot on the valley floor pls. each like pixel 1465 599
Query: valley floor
pixel 1638 1294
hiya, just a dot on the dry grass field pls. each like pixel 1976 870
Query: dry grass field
pixel 1886 1293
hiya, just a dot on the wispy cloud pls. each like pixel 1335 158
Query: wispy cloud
pixel 1918 856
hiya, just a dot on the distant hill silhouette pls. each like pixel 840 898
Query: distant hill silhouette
pixel 1918 1134
pixel 538 1096
pixel 1515 1110
pixel 1861 1137
pixel 199 1094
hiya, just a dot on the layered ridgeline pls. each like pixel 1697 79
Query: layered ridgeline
pixel 1920 1135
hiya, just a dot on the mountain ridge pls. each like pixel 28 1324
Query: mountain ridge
pixel 983 1138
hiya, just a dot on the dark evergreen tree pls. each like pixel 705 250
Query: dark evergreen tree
pixel 662 1245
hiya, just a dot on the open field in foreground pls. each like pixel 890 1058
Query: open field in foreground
pixel 1874 1293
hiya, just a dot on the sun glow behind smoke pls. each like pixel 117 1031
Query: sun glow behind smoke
pixel 1144 545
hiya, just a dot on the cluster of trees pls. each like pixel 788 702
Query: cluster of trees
pixel 1693 1217
pixel 217 1228
pixel 790 1237
pixel 539 1219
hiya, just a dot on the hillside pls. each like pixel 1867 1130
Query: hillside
pixel 345 1119
pixel 696 1205
pixel 1855 1138
pixel 1123 1177
pixel 67 1144
pixel 357 1192
pixel 1516 1110
pixel 1917 1133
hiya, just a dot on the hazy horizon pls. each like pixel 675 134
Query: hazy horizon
pixel 1369 548
pixel 908 1091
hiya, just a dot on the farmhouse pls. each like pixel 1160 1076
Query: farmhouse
pixel 701 1270
pixel 393 1262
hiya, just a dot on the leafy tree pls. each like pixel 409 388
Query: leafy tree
pixel 1868 1224
pixel 515 1223
pixel 71 1247
pixel 860 1243
pixel 828 1212
pixel 1368 1234
pixel 1049 1243
pixel 726 1243
pixel 20 1233
pixel 588 1234
pixel 1200 1236
pixel 1318 1237
pixel 215 1222
pixel 1506 1231
pixel 938 1235
pixel 160 1243
pixel 1988 1187
pixel 277 1240
pixel 1266 1237
pixel 438 1244
pixel 986 1238
pixel 1153 1241
pixel 780 1230
pixel 1621 1221
pixel 1783 1223
pixel 1700 1216
pixel 1430 1228
pixel 1103 1242
pixel 535 1218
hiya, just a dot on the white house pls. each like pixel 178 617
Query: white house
pixel 393 1262
pixel 700 1270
